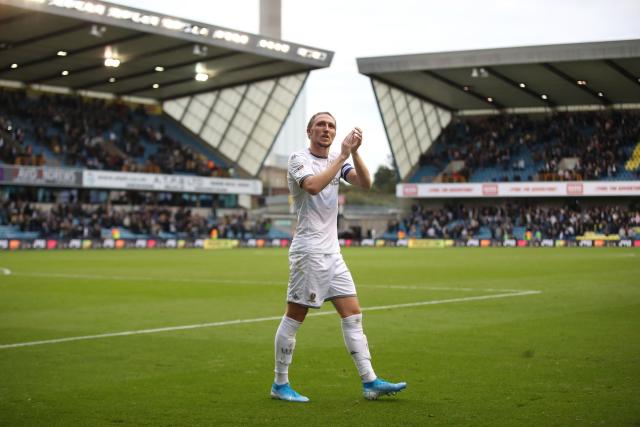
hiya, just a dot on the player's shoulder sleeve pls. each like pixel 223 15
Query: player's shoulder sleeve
pixel 299 167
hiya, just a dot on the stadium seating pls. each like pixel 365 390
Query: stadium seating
pixel 65 130
pixel 23 221
pixel 558 147
pixel 521 220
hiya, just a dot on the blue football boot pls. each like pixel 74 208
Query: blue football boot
pixel 380 387
pixel 285 392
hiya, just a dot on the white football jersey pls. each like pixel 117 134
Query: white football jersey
pixel 317 229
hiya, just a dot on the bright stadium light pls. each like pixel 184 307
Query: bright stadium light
pixel 97 30
pixel 522 85
pixel 62 53
pixel 310 53
pixel 159 69
pixel 600 94
pixel 466 88
pixel 112 79
pixel 271 45
pixel 581 82
pixel 202 77
pixel 65 73
pixel 112 62
pixel 200 50
pixel 14 66
pixel 479 72
pixel 155 86
pixel 231 36
pixel 544 96
pixel 489 99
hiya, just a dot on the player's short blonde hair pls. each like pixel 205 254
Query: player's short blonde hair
pixel 313 118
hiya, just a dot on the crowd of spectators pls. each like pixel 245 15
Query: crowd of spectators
pixel 13 150
pixel 566 222
pixel 74 220
pixel 599 143
pixel 93 134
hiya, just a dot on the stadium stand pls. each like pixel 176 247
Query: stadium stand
pixel 53 129
pixel 514 144
pixel 521 113
pixel 23 220
pixel 557 147
pixel 517 220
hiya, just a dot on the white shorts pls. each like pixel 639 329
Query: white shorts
pixel 316 278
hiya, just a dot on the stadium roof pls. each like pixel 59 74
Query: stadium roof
pixel 66 43
pixel 601 73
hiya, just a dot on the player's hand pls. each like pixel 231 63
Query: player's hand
pixel 357 139
pixel 347 146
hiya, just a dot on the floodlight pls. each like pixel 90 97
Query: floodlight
pixel 112 62
pixel 200 50
pixel 97 30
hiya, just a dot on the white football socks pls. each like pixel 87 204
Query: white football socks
pixel 285 343
pixel 356 342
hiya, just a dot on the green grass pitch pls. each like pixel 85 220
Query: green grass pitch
pixel 474 347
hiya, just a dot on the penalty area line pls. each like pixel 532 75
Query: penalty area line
pixel 261 319
pixel 5 271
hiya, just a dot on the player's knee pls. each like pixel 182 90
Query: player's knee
pixel 350 311
pixel 296 312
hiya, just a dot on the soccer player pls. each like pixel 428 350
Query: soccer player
pixel 317 272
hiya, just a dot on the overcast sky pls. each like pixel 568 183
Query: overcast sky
pixel 361 28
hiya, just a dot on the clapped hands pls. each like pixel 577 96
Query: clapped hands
pixel 351 142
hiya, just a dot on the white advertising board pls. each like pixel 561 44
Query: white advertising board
pixel 175 183
pixel 520 189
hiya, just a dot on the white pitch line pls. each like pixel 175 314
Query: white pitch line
pixel 152 279
pixel 5 271
pixel 246 282
pixel 143 278
pixel 439 288
pixel 259 319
